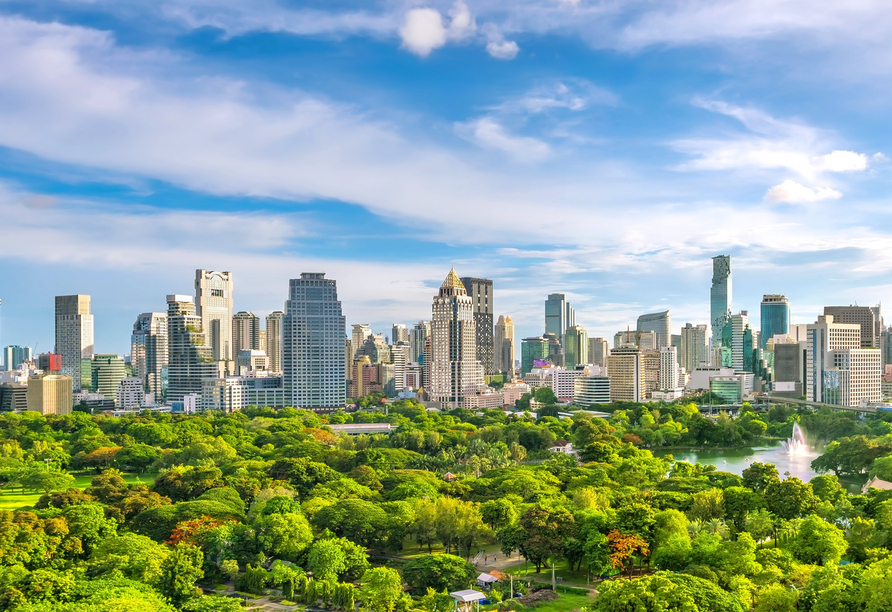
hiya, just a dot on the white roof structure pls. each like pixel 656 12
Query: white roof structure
pixel 487 578
pixel 468 595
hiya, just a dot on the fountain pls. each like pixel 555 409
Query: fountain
pixel 796 445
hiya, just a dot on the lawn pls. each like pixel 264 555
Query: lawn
pixel 561 571
pixel 564 603
pixel 14 499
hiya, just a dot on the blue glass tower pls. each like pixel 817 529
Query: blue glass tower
pixel 774 317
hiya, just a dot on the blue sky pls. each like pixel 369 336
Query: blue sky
pixel 605 149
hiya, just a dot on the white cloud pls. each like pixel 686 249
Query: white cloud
pixel 461 22
pixel 841 161
pixel 489 133
pixel 504 50
pixel 879 157
pixel 794 193
pixel 423 31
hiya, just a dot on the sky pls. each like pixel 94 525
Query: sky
pixel 604 149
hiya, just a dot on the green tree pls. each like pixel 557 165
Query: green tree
pixel 284 535
pixel 381 588
pixel 179 572
pixel 818 542
pixel 664 592
pixel 326 560
pixel 439 572
pixel 707 505
pixel 739 503
pixel 759 475
pixel 135 556
pixel 790 499
pixel 498 513
pixel 777 598
pixel 39 479
pixel 545 396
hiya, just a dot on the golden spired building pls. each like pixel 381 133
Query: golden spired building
pixel 455 373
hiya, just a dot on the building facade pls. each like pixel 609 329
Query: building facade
pixel 774 318
pixel 694 346
pixel 669 368
pixel 533 354
pixel 399 334
pixel 190 358
pixel 74 337
pixel 15 355
pixel 50 394
pixel 480 292
pixel 274 340
pixel 245 332
pixel 575 346
pixel 598 351
pixel 130 393
pixel 503 345
pixel 624 368
pixel 838 370
pixel 720 305
pixel 455 371
pixel 107 372
pixel 591 390
pixel 739 324
pixel 148 352
pixel 213 305
pixel 313 331
pixel 660 323
pixel 559 315
pixel 863 316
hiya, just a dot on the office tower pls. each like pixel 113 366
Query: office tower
pixel 399 354
pixel 559 315
pixel 694 347
pixel 50 394
pixel 74 336
pixel 838 371
pixel 455 372
pixel 575 346
pixel 659 323
pixel 361 331
pixel 130 393
pixel 480 292
pixel 533 354
pixel 274 341
pixel 555 350
pixel 669 368
pixel 590 390
pixel 720 302
pixel 313 331
pixel 50 363
pixel 650 372
pixel 860 315
pixel 190 358
pixel 245 332
pixel 598 351
pixel 13 397
pixel 624 369
pixel 503 345
pixel 15 355
pixel 886 345
pixel 675 341
pixel 107 372
pixel 213 305
pixel 774 318
pixel 738 323
pixel 417 337
pixel 148 351
pixel 789 360
pixel 644 340
pixel 400 334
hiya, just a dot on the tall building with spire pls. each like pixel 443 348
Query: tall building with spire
pixel 720 308
pixel 455 372
pixel 503 344
pixel 213 303
pixel 74 338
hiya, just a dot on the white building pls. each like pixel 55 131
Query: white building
pixel 694 347
pixel 699 378
pixel 226 394
pixel 838 370
pixel 251 361
pixel 130 393
pixel 668 368
pixel 74 336
pixel 739 323
pixel 539 377
pixel 274 341
pixel 213 303
pixel 562 383
pixel 148 350
pixel 590 390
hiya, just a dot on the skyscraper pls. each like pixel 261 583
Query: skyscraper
pixel 480 292
pixel 213 304
pixel 624 369
pixel 245 332
pixel 107 371
pixel 417 338
pixel 774 318
pixel 669 368
pixel 361 331
pixel 148 351
pixel 838 371
pixel 694 346
pixel 455 372
pixel 74 337
pixel 659 323
pixel 865 316
pixel 503 345
pixel 190 359
pixel 739 323
pixel 14 355
pixel 50 394
pixel 559 315
pixel 575 346
pixel 400 334
pixel 274 340
pixel 533 353
pixel 720 302
pixel 313 331
pixel 598 351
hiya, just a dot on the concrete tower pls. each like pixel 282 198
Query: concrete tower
pixel 74 338
pixel 213 303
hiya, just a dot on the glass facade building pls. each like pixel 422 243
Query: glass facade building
pixel 720 301
pixel 532 350
pixel 774 318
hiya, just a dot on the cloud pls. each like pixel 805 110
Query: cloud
pixel 423 29
pixel 567 94
pixel 841 161
pixel 794 193
pixel 487 132
pixel 504 50
pixel 879 157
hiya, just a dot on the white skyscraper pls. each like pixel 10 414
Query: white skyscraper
pixel 274 340
pixel 313 331
pixel 739 323
pixel 455 373
pixel 694 346
pixel 74 336
pixel 669 368
pixel 838 371
pixel 213 303
pixel 148 351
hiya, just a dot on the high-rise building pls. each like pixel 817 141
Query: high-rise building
pixel 130 393
pixel 886 345
pixel 598 351
pixel 865 316
pixel 417 337
pixel 213 304
pixel 107 372
pixel 720 302
pixel 50 394
pixel 455 371
pixel 399 354
pixel 13 397
pixel 644 340
pixel 245 332
pixel 15 355
pixel 774 318
pixel 190 358
pixel 361 331
pixel 313 331
pixel 838 371
pixel 669 368
pixel 575 346
pixel 503 345
pixel 590 390
pixel 789 359
pixel 74 337
pixel 50 363
pixel 650 372
pixel 533 354
pixel 400 334
pixel 660 323
pixel 274 341
pixel 555 350
pixel 148 352
pixel 694 346
pixel 739 323
pixel 559 315
pixel 624 369
pixel 480 292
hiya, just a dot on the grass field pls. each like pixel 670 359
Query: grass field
pixel 564 603
pixel 14 499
